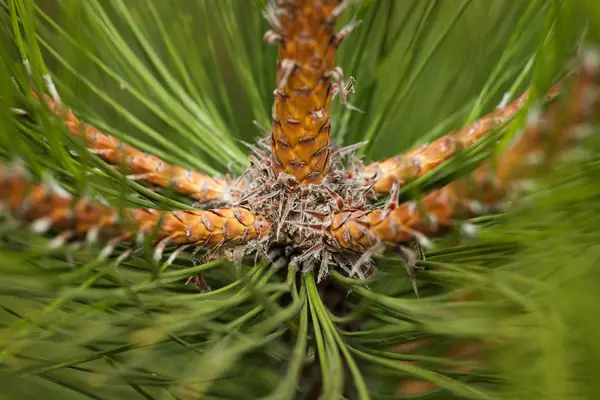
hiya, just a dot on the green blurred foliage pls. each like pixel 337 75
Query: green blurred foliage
pixel 184 80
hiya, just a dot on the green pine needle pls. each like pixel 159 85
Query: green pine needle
pixel 184 80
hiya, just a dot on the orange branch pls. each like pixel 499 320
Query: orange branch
pixel 140 165
pixel 404 167
pixel 52 208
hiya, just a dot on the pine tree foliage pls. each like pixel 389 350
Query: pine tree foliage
pixel 504 313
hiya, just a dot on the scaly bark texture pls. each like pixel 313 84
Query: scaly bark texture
pixel 48 207
pixel 301 125
pixel 543 139
pixel 415 163
pixel 140 165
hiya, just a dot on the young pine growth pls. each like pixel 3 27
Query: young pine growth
pixel 302 205
pixel 306 82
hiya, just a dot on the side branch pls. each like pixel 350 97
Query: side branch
pixel 143 166
pixel 48 207
pixel 404 167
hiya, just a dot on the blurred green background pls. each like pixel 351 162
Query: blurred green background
pixel 184 80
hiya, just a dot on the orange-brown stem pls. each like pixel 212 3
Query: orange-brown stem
pixel 404 167
pixel 143 166
pixel 301 125
pixel 51 208
pixel 541 141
